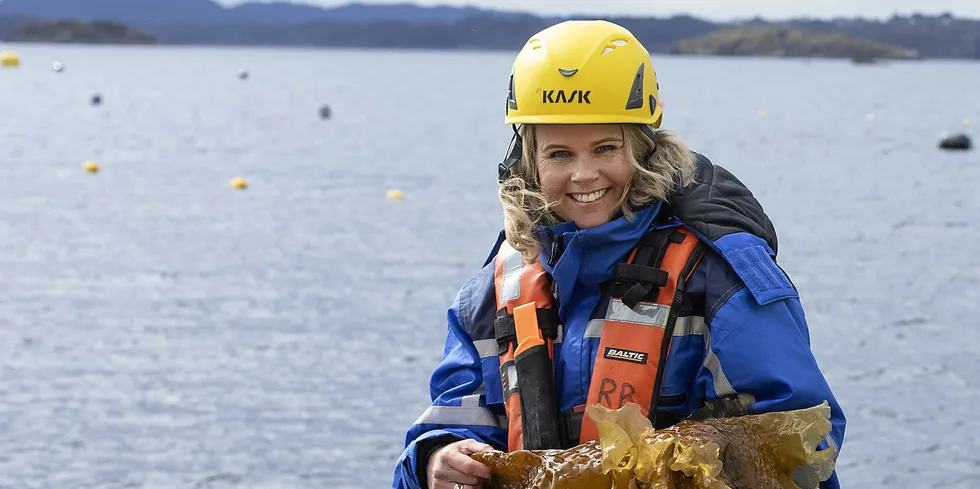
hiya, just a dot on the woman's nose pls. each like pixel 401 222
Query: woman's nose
pixel 584 170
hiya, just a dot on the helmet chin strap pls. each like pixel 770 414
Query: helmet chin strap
pixel 648 132
pixel 513 156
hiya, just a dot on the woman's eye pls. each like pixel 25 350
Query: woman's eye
pixel 559 154
pixel 605 148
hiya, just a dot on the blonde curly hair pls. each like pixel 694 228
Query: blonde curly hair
pixel 525 205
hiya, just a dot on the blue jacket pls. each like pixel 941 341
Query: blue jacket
pixel 745 347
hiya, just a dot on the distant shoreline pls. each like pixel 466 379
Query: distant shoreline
pixel 656 54
pixel 77 32
pixel 774 41
pixel 940 37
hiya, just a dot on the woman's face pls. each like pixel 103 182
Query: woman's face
pixel 584 168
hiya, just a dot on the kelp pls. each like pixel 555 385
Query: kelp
pixel 765 451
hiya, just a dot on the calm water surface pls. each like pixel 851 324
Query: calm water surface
pixel 160 330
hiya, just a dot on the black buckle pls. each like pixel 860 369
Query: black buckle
pixel 644 282
pixel 504 331
pixel 548 323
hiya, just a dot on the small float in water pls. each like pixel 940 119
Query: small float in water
pixel 9 59
pixel 238 183
pixel 956 142
pixel 864 59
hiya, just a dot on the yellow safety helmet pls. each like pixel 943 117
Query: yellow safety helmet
pixel 583 72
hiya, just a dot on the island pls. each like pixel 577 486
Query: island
pixel 73 31
pixel 768 40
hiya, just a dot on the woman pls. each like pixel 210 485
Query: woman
pixel 628 265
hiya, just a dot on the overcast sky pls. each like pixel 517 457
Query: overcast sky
pixel 711 9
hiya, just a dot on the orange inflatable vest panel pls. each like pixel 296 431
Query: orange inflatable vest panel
pixel 636 337
pixel 525 305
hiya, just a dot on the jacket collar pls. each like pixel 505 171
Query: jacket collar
pixel 587 256
pixel 618 233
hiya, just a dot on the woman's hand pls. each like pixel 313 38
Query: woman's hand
pixel 452 465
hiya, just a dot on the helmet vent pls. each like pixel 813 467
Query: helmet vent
pixel 613 45
pixel 636 92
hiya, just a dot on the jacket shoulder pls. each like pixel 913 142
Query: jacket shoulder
pixel 727 269
pixel 725 214
pixel 718 204
pixel 477 304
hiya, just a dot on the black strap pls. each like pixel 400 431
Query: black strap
pixel 506 333
pixel 640 273
pixel 642 277
pixel 570 427
pixel 675 307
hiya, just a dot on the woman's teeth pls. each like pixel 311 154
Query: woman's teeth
pixel 586 198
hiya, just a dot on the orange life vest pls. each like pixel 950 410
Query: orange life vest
pixel 645 294
pixel 526 327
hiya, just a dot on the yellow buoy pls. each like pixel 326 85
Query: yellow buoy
pixel 395 194
pixel 90 166
pixel 869 116
pixel 9 59
pixel 763 112
pixel 239 183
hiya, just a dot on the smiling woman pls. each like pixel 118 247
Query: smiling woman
pixel 630 270
pixel 588 174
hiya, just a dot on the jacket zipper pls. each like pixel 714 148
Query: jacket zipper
pixel 557 249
